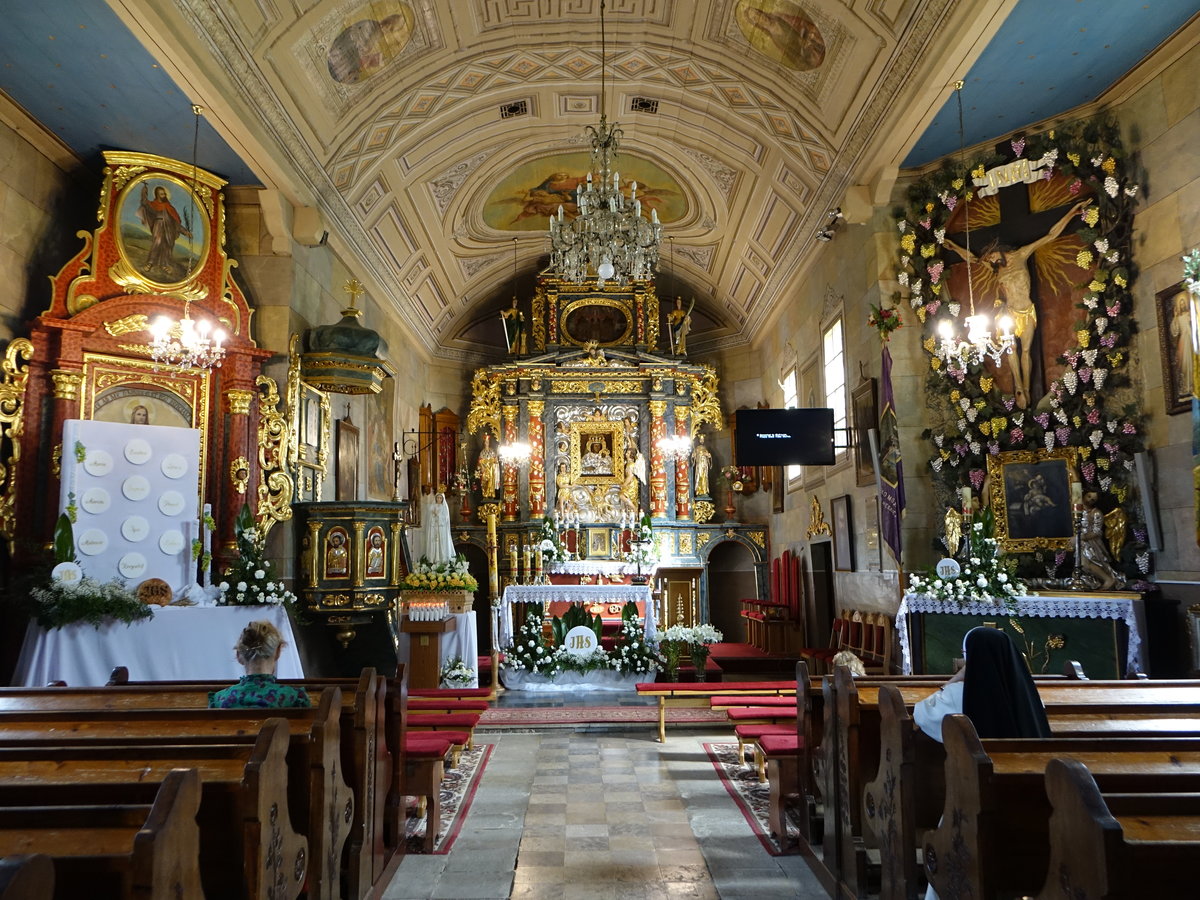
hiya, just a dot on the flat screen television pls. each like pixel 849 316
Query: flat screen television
pixel 785 437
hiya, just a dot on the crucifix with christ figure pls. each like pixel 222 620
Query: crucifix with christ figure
pixel 1004 244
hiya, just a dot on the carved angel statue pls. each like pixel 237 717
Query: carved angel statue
pixel 954 523
pixel 1094 558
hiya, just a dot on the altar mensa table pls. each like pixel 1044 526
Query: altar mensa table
pixel 571 593
pixel 181 643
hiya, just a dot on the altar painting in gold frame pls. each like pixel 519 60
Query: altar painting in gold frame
pixel 133 391
pixel 597 453
pixel 1030 496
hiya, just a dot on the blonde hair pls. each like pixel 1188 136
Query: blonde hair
pixel 849 660
pixel 258 640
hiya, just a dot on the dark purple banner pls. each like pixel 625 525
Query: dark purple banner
pixel 891 471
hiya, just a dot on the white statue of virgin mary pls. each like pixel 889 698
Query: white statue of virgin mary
pixel 439 545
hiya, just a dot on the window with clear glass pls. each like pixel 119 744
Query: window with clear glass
pixel 833 354
pixel 791 399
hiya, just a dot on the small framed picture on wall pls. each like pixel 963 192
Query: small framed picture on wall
pixel 843 534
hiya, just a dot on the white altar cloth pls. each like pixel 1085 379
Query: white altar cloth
pixel 181 643
pixel 599 567
pixel 461 642
pixel 574 593
pixel 1128 609
pixel 599 680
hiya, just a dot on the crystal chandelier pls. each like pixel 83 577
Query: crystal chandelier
pixel 609 235
pixel 515 454
pixel 979 344
pixel 186 344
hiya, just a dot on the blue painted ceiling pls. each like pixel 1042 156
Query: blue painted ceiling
pixel 76 68
pixel 1048 57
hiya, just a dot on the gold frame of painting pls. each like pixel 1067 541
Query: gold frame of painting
pixel 573 305
pixel 1040 516
pixel 610 434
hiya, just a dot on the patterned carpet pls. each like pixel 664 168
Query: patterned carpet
pixel 751 797
pixel 458 790
pixel 582 715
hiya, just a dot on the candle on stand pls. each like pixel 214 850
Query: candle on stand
pixel 525 560
pixel 513 569
pixel 493 558
pixel 966 498
pixel 1076 494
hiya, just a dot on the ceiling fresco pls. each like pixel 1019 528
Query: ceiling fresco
pixel 437 136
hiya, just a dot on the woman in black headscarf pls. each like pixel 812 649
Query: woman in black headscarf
pixel 994 690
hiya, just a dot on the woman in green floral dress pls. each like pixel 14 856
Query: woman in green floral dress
pixel 258 651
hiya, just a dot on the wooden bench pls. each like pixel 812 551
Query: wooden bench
pixel 852 741
pixel 247 845
pixel 994 837
pixel 321 755
pixel 686 694
pixel 1118 846
pixel 121 850
pixel 906 797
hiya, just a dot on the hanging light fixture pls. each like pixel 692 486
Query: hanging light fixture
pixel 609 235
pixel 979 343
pixel 189 343
pixel 515 454
pixel 674 446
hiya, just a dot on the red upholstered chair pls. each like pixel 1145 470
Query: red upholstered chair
pixel 838 640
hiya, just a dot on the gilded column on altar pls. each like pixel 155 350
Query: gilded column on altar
pixel 658 471
pixel 683 494
pixel 509 490
pixel 537 459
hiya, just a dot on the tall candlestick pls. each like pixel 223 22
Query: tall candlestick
pixel 206 538
pixel 1076 493
pixel 966 498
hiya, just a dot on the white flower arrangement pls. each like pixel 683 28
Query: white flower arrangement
pixel 456 673
pixel 988 576
pixel 532 652
pixel 248 581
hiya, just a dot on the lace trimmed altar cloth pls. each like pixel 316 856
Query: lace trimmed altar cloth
pixel 586 594
pixel 599 567
pixel 1131 610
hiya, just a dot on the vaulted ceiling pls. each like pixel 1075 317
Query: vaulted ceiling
pixel 433 135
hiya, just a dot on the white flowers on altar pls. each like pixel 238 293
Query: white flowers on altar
pixel 987 577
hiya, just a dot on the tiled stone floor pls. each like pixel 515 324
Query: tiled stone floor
pixel 602 813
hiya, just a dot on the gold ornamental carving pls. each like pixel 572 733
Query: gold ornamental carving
pixel 276 486
pixel 703 538
pixel 128 325
pixel 816 520
pixel 759 538
pixel 658 408
pixel 704 511
pixel 539 318
pixel 584 386
pixel 12 428
pixel 686 546
pixel 56 460
pixel 239 401
pixel 485 403
pixel 337 600
pixel 66 384
pixel 536 408
pixel 651 318
pixel 239 474
pixel 706 403
pixel 487 510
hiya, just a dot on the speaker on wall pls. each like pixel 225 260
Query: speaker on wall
pixel 1143 467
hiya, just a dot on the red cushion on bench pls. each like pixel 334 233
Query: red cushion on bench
pixel 747 700
pixel 421 747
pixel 423 704
pixel 744 713
pixel 750 732
pixel 774 745
pixel 442 721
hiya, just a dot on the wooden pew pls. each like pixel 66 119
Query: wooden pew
pixel 26 878
pixel 906 795
pixel 994 836
pixel 363 759
pixel 122 851
pixel 247 845
pixel 1118 846
pixel 323 804
pixel 854 726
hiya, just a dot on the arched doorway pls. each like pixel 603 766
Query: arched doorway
pixel 731 577
pixel 477 565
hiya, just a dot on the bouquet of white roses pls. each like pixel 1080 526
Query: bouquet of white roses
pixel 248 581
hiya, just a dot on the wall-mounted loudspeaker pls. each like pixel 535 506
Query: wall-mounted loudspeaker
pixel 1143 467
